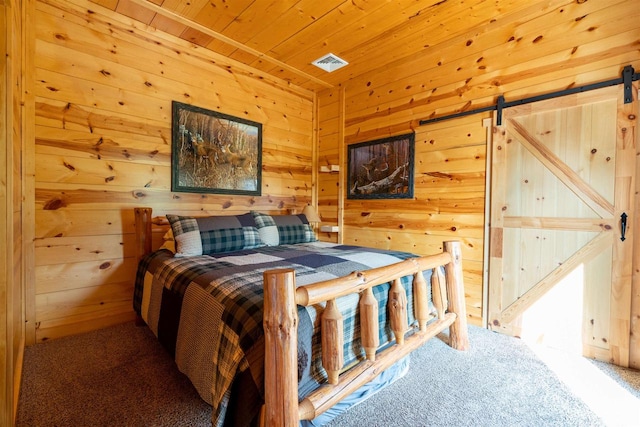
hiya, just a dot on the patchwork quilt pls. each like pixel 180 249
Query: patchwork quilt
pixel 207 312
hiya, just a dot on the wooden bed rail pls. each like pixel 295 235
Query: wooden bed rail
pixel 358 281
pixel 280 324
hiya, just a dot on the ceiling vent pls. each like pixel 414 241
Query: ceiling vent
pixel 330 62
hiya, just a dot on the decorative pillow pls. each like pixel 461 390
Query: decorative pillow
pixel 214 234
pixel 283 229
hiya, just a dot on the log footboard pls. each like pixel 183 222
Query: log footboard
pixel 281 298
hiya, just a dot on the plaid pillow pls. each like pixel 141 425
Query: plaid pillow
pixel 283 229
pixel 214 234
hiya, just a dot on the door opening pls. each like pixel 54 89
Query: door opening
pixel 555 320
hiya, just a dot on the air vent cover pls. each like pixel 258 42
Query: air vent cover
pixel 330 62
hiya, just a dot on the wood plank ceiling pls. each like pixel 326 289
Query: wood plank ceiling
pixel 283 37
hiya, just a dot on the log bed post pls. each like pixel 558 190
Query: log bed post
pixel 397 306
pixel 369 328
pixel 421 300
pixel 143 231
pixel 439 292
pixel 281 349
pixel 458 333
pixel 332 341
pixel 144 237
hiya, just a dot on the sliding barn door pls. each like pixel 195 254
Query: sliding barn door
pixel 563 182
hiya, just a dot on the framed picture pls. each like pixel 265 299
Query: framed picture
pixel 213 152
pixel 381 169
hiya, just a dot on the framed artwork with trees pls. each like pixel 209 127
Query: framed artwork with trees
pixel 381 169
pixel 212 152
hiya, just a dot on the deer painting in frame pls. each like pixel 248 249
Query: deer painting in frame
pixel 213 152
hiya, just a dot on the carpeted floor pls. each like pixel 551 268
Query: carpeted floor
pixel 121 376
pixel 118 376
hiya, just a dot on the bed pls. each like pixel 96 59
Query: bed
pixel 275 328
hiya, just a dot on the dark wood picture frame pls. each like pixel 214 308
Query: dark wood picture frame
pixel 381 169
pixel 212 152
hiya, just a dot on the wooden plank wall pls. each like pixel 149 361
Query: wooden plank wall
pixel 330 146
pixel 6 260
pixel 104 86
pixel 16 308
pixel 545 47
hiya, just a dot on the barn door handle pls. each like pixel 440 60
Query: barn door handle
pixel 623 225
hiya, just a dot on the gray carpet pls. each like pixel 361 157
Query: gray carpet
pixel 120 376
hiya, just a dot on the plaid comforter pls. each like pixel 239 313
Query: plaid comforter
pixel 207 312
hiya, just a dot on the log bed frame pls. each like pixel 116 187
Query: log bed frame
pixel 281 296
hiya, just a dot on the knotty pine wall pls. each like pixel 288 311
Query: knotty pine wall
pixel 104 86
pixel 537 50
pixel 448 201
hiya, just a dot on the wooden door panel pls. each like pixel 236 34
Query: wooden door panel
pixel 529 180
pixel 581 138
pixel 522 294
pixel 562 174
pixel 562 170
pixel 597 301
pixel 536 254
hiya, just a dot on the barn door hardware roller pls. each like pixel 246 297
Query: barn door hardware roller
pixel 628 77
